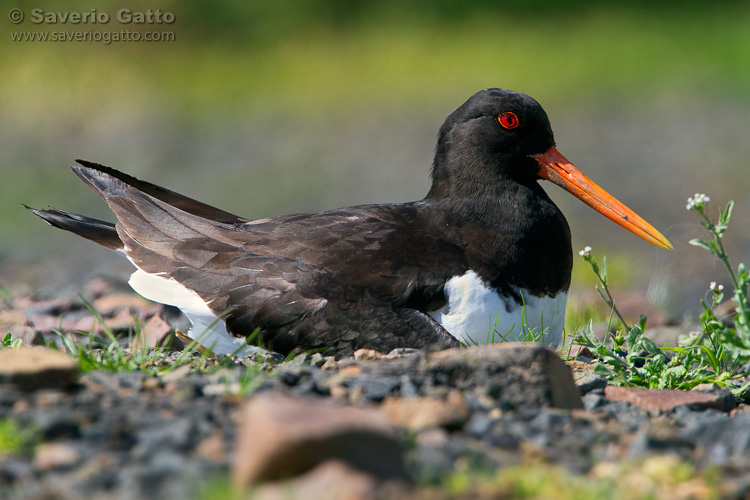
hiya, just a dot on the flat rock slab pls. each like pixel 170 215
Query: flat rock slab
pixel 664 400
pixel 32 368
pixel 281 437
pixel 515 374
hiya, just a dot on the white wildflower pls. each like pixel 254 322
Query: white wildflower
pixel 586 252
pixel 697 201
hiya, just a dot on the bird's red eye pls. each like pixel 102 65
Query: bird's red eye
pixel 508 120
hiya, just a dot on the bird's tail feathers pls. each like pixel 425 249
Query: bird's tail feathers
pixel 96 230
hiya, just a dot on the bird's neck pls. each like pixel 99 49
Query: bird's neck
pixel 511 230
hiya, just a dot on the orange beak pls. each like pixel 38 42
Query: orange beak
pixel 555 168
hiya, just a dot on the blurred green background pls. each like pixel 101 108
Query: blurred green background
pixel 264 108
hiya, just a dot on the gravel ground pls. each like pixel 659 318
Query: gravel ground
pixel 462 417
pixel 133 436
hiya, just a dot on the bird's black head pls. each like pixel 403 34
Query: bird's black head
pixel 490 138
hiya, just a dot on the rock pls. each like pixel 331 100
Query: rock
pixel 589 381
pixel 55 455
pixel 417 414
pixel 212 448
pixel 12 317
pixel 664 400
pixel 373 388
pixel 33 368
pixel 26 334
pixel 281 437
pixel 722 438
pixel 110 304
pixel 123 320
pixel 45 323
pixel 513 374
pixel 368 355
pixel 154 333
pixel 332 480
pixel 580 353
pixel 55 306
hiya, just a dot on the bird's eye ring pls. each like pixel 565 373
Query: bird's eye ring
pixel 509 120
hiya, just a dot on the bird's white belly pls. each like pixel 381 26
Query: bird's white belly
pixel 476 314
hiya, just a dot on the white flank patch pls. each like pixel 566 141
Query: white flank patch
pixel 207 329
pixel 476 314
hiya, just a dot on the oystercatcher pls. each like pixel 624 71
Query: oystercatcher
pixel 483 256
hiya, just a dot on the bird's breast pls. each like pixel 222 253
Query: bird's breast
pixel 477 313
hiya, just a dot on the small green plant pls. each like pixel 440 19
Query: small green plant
pixel 104 352
pixel 8 342
pixel 13 439
pixel 716 336
pixel 635 360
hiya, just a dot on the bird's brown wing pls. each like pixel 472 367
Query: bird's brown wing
pixel 345 279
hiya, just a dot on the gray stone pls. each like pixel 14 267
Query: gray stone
pixel 513 374
pixel 589 381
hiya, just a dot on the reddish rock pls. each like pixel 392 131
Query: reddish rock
pixel 655 400
pixel 423 413
pixel 33 368
pixel 332 480
pixel 153 333
pixel 280 437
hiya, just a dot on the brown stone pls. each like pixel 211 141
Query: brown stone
pixel 54 456
pixel 521 374
pixel 26 334
pixel 655 400
pixel 332 480
pixel 12 317
pixel 33 368
pixel 423 413
pixel 110 304
pixel 280 437
pixel 368 355
pixel 350 371
pixel 123 320
pixel 153 333
pixel 335 480
pixel 212 448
